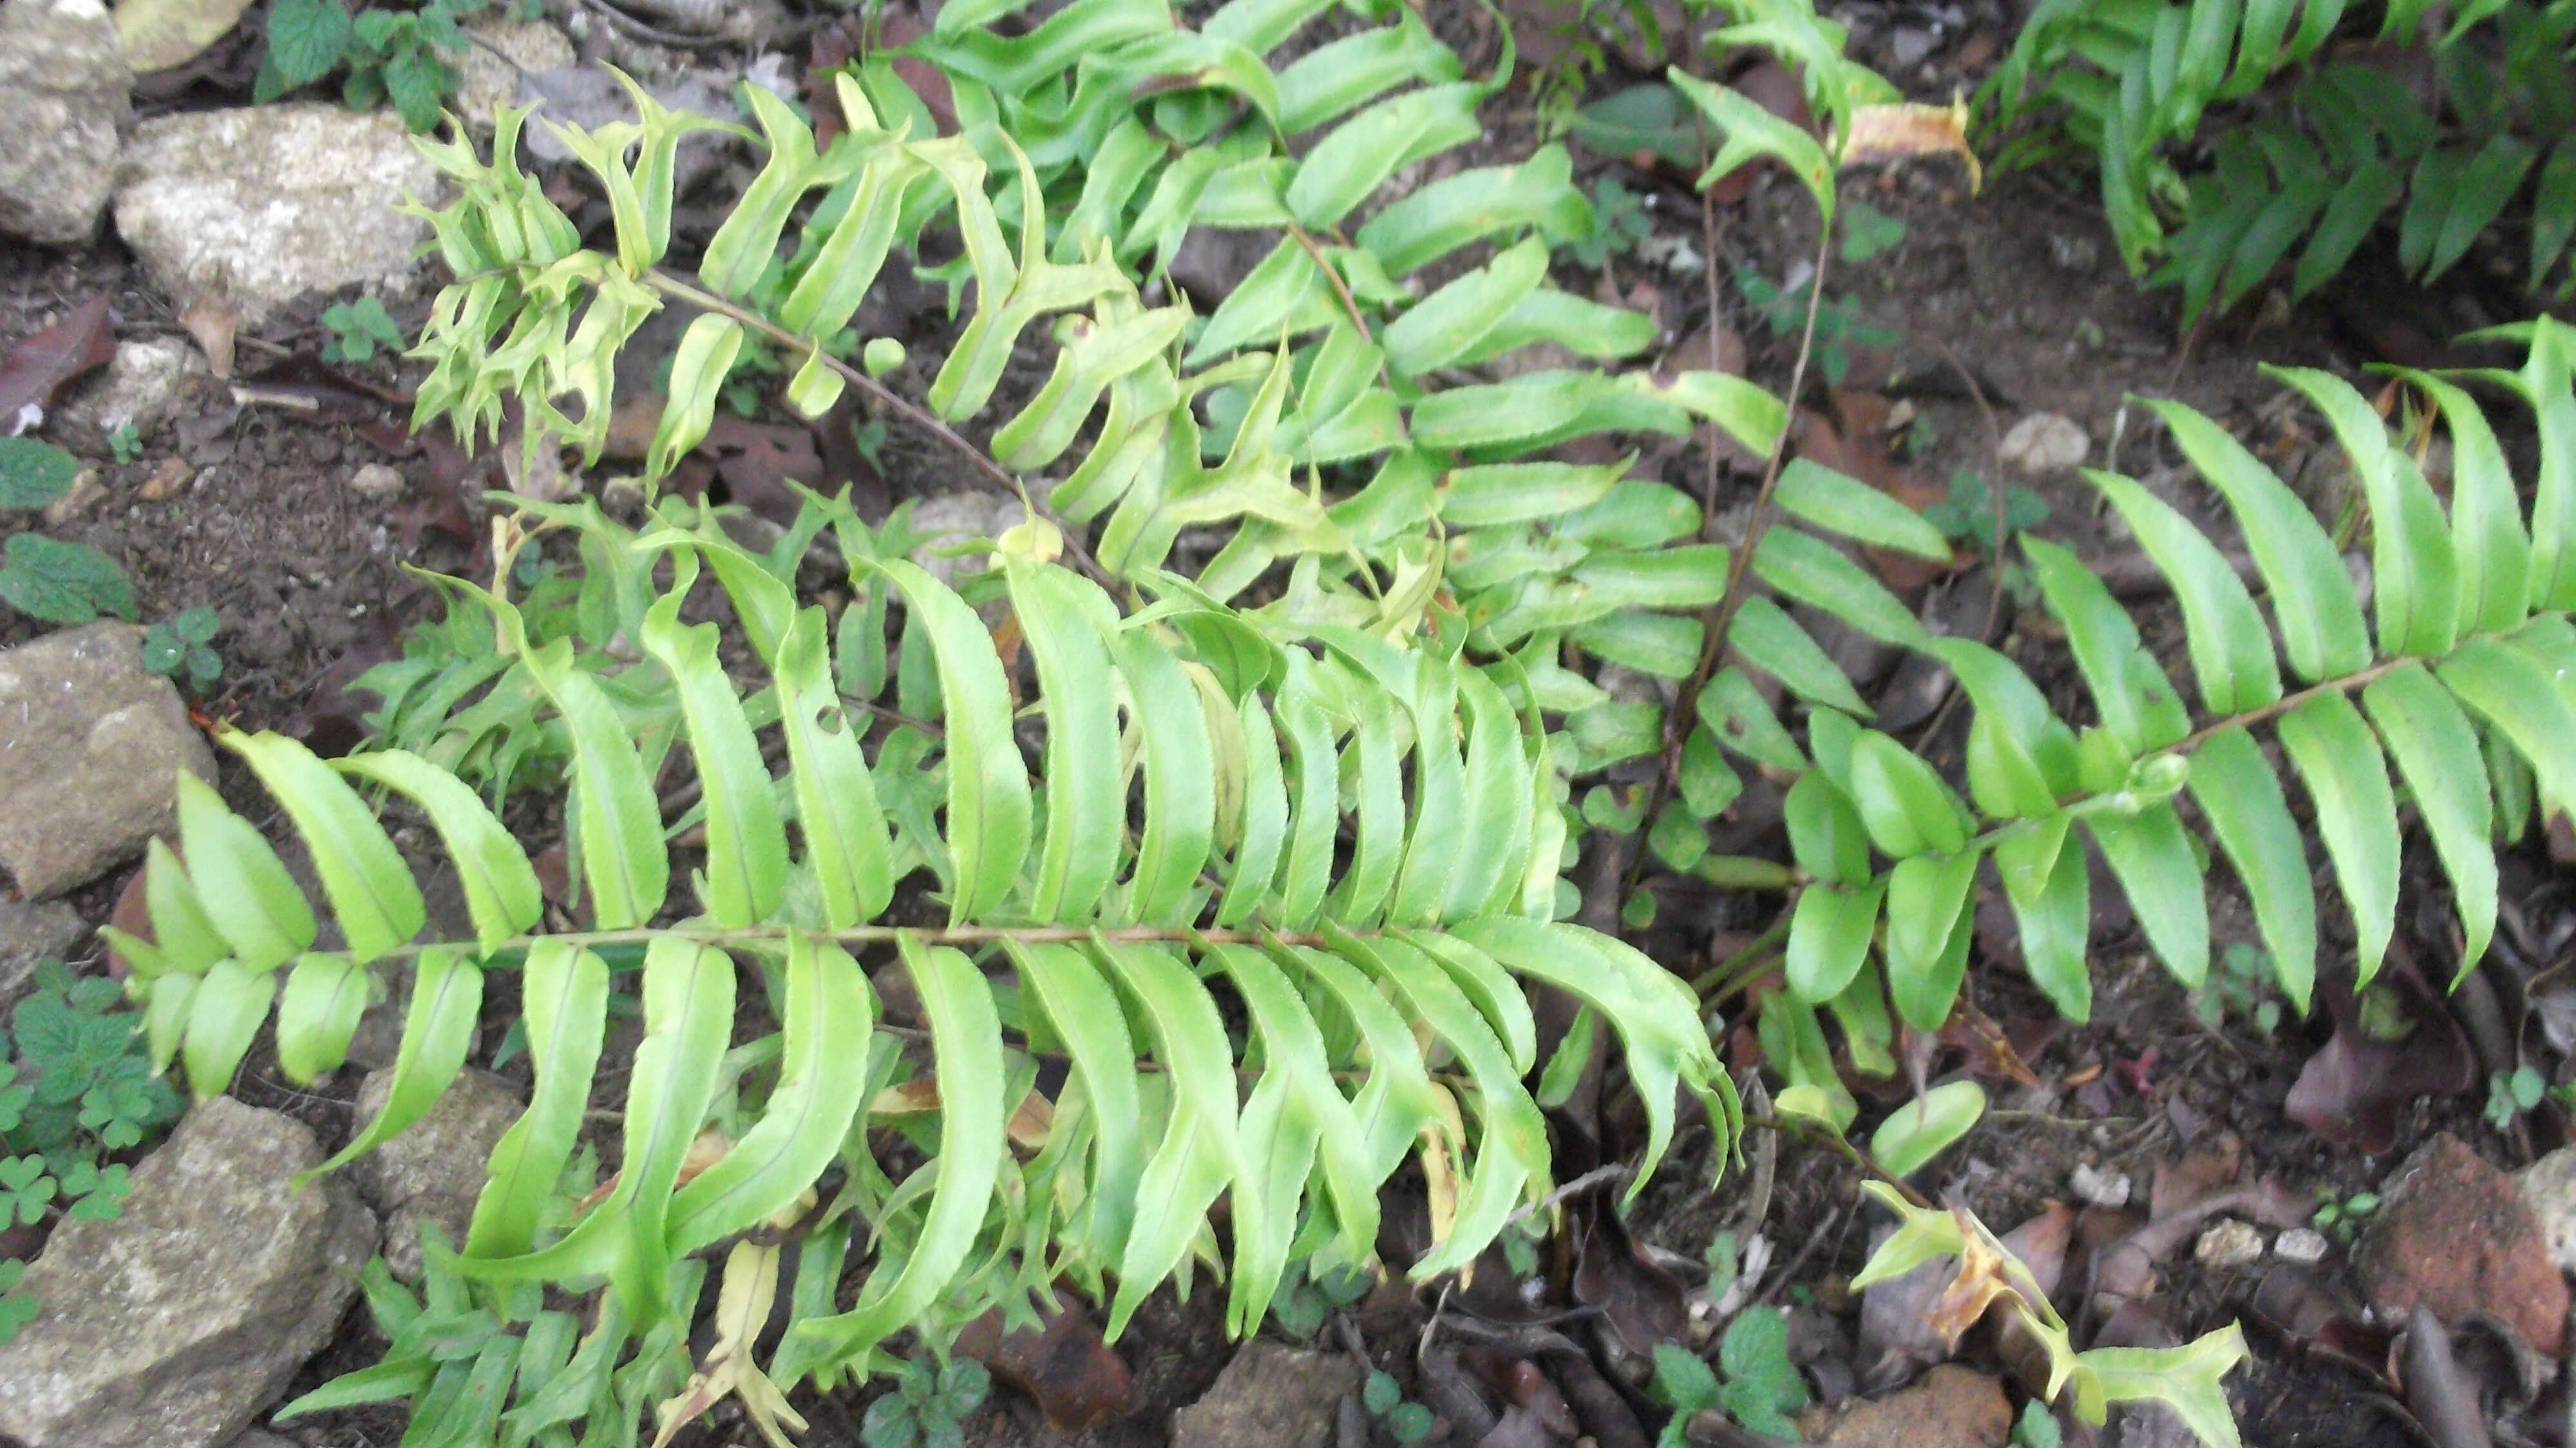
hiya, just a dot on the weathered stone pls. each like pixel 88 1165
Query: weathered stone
pixel 2044 443
pixel 2455 1236
pixel 64 91
pixel 2549 1185
pixel 175 1324
pixel 275 200
pixel 950 520
pixel 1948 1407
pixel 2302 1245
pixel 432 1172
pixel 377 482
pixel 28 934
pixel 1268 1397
pixel 2228 1243
pixel 503 51
pixel 90 757
pixel 150 381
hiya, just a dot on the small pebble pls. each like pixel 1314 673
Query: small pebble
pixel 79 498
pixel 2045 442
pixel 2230 1243
pixel 2300 1244
pixel 167 479
pixel 376 481
pixel 2099 1188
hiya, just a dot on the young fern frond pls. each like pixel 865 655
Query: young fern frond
pixel 2463 655
pixel 1124 942
pixel 532 316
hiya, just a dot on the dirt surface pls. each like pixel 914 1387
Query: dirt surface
pixel 2004 304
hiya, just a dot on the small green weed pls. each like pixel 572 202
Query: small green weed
pixel 1754 1382
pixel 1405 1422
pixel 926 1409
pixel 2342 1219
pixel 2037 1428
pixel 179 648
pixel 47 578
pixel 405 56
pixel 78 1090
pixel 125 444
pixel 357 329
pixel 1619 221
pixel 1838 327
pixel 1967 516
pixel 1869 232
pixel 1304 1302
pixel 2512 1093
pixel 2240 987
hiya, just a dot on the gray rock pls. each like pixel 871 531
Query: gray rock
pixel 178 1322
pixel 2229 1243
pixel 503 52
pixel 30 933
pixel 90 755
pixel 377 482
pixel 274 200
pixel 64 92
pixel 2549 1185
pixel 1268 1397
pixel 951 520
pixel 150 381
pixel 432 1172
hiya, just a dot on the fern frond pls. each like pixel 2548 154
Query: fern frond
pixel 2464 649
pixel 1182 853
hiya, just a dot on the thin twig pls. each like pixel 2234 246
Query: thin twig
pixel 1739 567
pixel 904 407
pixel 1823 1133
pixel 1342 289
pixel 1597 1177
pixel 1789 1269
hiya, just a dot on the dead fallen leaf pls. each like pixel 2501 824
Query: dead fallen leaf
pixel 1643 1302
pixel 1901 132
pixel 211 318
pixel 2351 1092
pixel 1064 1367
pixel 2214 1166
pixel 919 1096
pixel 756 461
pixel 742 1311
pixel 42 365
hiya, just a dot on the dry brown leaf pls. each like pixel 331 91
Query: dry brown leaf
pixel 1901 132
pixel 1063 1366
pixel 742 1310
pixel 211 318
pixel 42 365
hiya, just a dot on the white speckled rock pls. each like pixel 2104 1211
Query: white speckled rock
pixel 64 93
pixel 91 746
pixel 150 381
pixel 178 1322
pixel 277 200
